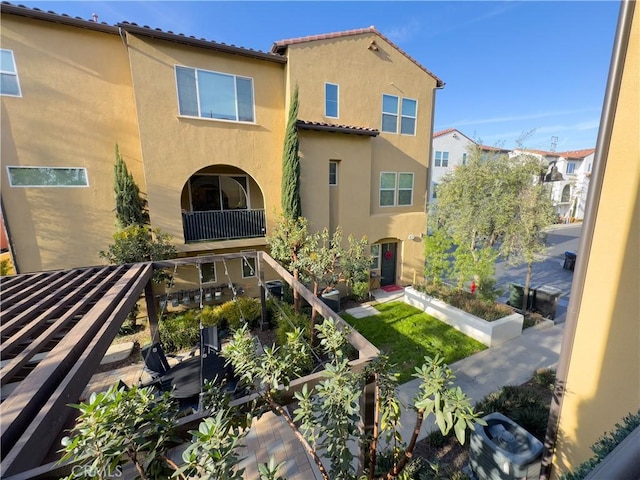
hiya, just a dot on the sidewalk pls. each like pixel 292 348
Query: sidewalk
pixel 511 363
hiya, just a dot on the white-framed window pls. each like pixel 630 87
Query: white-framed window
pixel 405 110
pixel 566 194
pixel 48 176
pixel 375 256
pixel 442 159
pixel 331 96
pixel 333 173
pixel 396 189
pixel 464 159
pixel 208 272
pixel 409 115
pixel 248 265
pixel 9 82
pixel 220 96
pixel 571 167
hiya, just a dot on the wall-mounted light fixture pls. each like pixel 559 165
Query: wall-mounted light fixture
pixel 411 236
pixel 373 46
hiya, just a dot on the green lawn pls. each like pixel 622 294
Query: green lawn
pixel 407 335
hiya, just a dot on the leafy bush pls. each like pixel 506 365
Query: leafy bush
pixel 360 291
pixel 287 320
pixel 545 377
pixel 488 310
pixel 605 445
pixel 180 331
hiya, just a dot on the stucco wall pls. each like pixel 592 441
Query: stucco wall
pixel 603 382
pixel 76 104
pixel 176 147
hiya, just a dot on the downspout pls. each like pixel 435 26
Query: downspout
pixel 591 209
pixel 433 116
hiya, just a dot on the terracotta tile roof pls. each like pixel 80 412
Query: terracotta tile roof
pixel 544 153
pixel 331 127
pixel 577 153
pixel 444 132
pixel 488 148
pixel 281 45
pixel 51 16
pixel 200 42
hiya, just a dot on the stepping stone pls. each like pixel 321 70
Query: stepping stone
pixel 117 352
pixel 363 311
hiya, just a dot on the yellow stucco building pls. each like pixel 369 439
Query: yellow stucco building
pixel 201 125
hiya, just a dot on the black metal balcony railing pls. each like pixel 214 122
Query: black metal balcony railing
pixel 223 225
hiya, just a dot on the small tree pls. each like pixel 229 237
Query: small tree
pixel 291 203
pixel 289 237
pixel 137 243
pixel 437 266
pixel 131 207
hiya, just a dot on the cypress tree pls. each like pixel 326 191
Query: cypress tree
pixel 131 207
pixel 291 204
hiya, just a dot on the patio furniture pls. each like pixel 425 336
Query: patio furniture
pixel 155 360
pixel 209 340
pixel 185 380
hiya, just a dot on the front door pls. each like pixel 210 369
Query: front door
pixel 388 263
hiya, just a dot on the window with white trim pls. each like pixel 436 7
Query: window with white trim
pixel 248 265
pixel 208 272
pixel 331 100
pixel 9 82
pixel 464 159
pixel 375 256
pixel 221 96
pixel 333 173
pixel 442 159
pixel 571 167
pixel 396 189
pixel 48 176
pixel 396 109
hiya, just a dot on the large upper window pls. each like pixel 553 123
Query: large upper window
pixel 396 189
pixel 218 192
pixel 9 83
pixel 206 94
pixel 396 110
pixel 571 167
pixel 47 177
pixel 442 159
pixel 331 100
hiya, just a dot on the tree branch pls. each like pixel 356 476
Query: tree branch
pixel 397 468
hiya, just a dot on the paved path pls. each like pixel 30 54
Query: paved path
pixel 511 363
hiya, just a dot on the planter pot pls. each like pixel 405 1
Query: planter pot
pixel 489 333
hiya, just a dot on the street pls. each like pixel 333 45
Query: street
pixel 548 270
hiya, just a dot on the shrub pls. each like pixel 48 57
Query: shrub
pixel 360 291
pixel 180 331
pixel 605 445
pixel 488 310
pixel 287 320
pixel 545 377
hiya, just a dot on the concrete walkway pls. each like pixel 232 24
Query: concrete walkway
pixel 511 363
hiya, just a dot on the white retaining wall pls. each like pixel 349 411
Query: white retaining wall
pixel 489 333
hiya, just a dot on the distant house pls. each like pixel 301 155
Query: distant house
pixel 571 170
pixel 568 175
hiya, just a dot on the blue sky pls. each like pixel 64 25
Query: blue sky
pixel 509 67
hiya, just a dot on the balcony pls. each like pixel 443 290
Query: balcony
pixel 223 225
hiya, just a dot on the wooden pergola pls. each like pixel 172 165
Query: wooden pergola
pixel 56 327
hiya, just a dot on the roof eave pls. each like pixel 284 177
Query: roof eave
pixel 202 43
pixel 62 19
pixel 337 129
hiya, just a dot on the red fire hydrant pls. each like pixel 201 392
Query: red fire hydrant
pixel 473 287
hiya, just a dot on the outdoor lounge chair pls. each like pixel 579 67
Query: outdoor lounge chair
pixel 155 361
